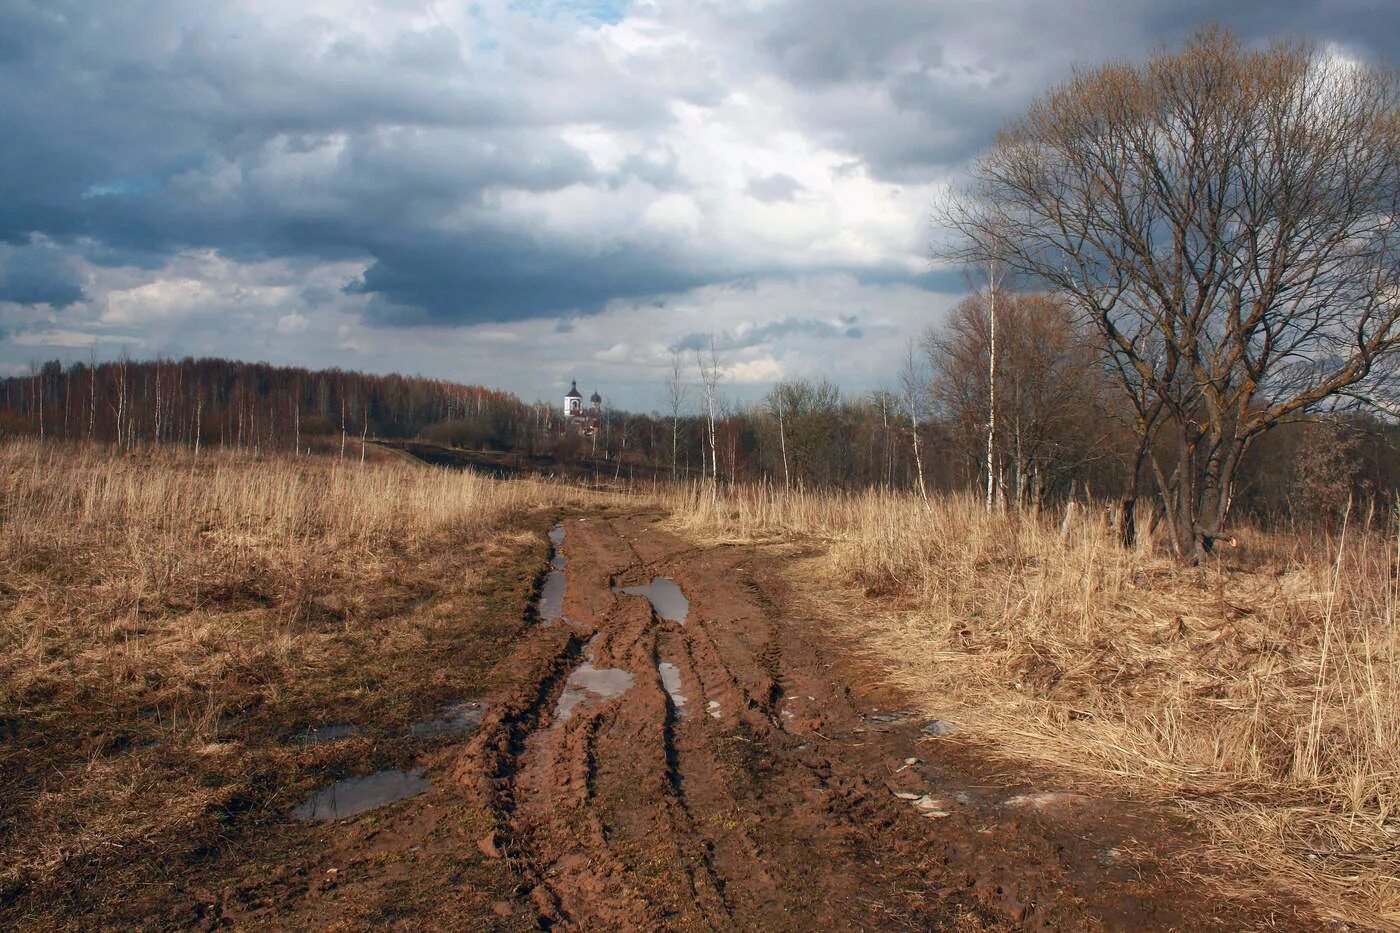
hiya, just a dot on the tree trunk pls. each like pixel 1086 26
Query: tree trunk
pixel 991 390
pixel 782 443
pixel 918 458
pixel 1185 521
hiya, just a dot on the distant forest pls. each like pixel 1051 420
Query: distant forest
pixel 1059 431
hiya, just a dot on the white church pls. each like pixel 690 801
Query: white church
pixel 573 404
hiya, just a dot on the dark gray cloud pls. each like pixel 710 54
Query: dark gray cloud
pixel 137 132
pixel 454 158
pixel 38 273
pixel 761 334
pixel 506 277
pixel 915 89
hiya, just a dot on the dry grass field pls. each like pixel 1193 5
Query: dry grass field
pixel 171 626
pixel 1260 693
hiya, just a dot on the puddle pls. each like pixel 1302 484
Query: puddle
pixel 458 719
pixel 551 605
pixel 358 794
pixel 556 538
pixel 671 680
pixel 666 598
pixel 332 733
pixel 588 681
pixel 552 597
pixel 896 717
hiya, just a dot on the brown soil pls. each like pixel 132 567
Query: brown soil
pixel 781 812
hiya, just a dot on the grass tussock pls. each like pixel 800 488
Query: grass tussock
pixel 171 624
pixel 1261 692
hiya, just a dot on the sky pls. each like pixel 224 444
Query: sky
pixel 519 193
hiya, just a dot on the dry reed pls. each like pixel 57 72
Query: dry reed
pixel 1261 692
pixel 169 622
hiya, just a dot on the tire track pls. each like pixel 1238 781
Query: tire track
pixel 637 813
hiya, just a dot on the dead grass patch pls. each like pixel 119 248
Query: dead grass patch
pixel 171 624
pixel 1260 693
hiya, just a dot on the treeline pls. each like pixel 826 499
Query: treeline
pixel 1061 426
pixel 1031 422
pixel 245 405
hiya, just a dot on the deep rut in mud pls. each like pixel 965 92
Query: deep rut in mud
pixel 706 768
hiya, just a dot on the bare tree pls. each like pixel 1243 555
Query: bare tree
pixel 677 393
pixel 994 273
pixel 364 434
pixel 92 393
pixel 1052 396
pixel 1229 222
pixel 915 390
pixel 36 376
pixel 708 364
pixel 782 400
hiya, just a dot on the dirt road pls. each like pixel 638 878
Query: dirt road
pixel 710 766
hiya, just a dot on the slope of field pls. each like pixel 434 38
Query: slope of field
pixel 177 632
pixel 1258 695
pixel 208 663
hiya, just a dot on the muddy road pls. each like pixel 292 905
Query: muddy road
pixel 671 749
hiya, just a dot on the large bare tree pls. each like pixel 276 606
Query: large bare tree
pixel 1226 218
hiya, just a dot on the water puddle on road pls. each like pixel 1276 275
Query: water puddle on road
pixel 556 538
pixel 589 682
pixel 335 732
pixel 665 596
pixel 551 605
pixel 358 794
pixel 457 719
pixel 671 680
pixel 552 597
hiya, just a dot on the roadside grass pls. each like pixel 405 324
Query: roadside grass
pixel 1260 693
pixel 171 625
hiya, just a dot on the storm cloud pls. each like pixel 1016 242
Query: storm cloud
pixel 750 335
pixel 281 180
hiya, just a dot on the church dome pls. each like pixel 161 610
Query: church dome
pixel 596 399
pixel 573 391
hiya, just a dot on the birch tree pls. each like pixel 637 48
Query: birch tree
pixel 708 364
pixel 677 392
pixel 915 392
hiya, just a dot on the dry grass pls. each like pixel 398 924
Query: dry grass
pixel 1261 693
pixel 169 625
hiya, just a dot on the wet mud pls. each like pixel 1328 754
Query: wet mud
pixel 792 804
pixel 671 680
pixel 601 799
pixel 587 682
pixel 358 794
pixel 457 719
pixel 334 732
